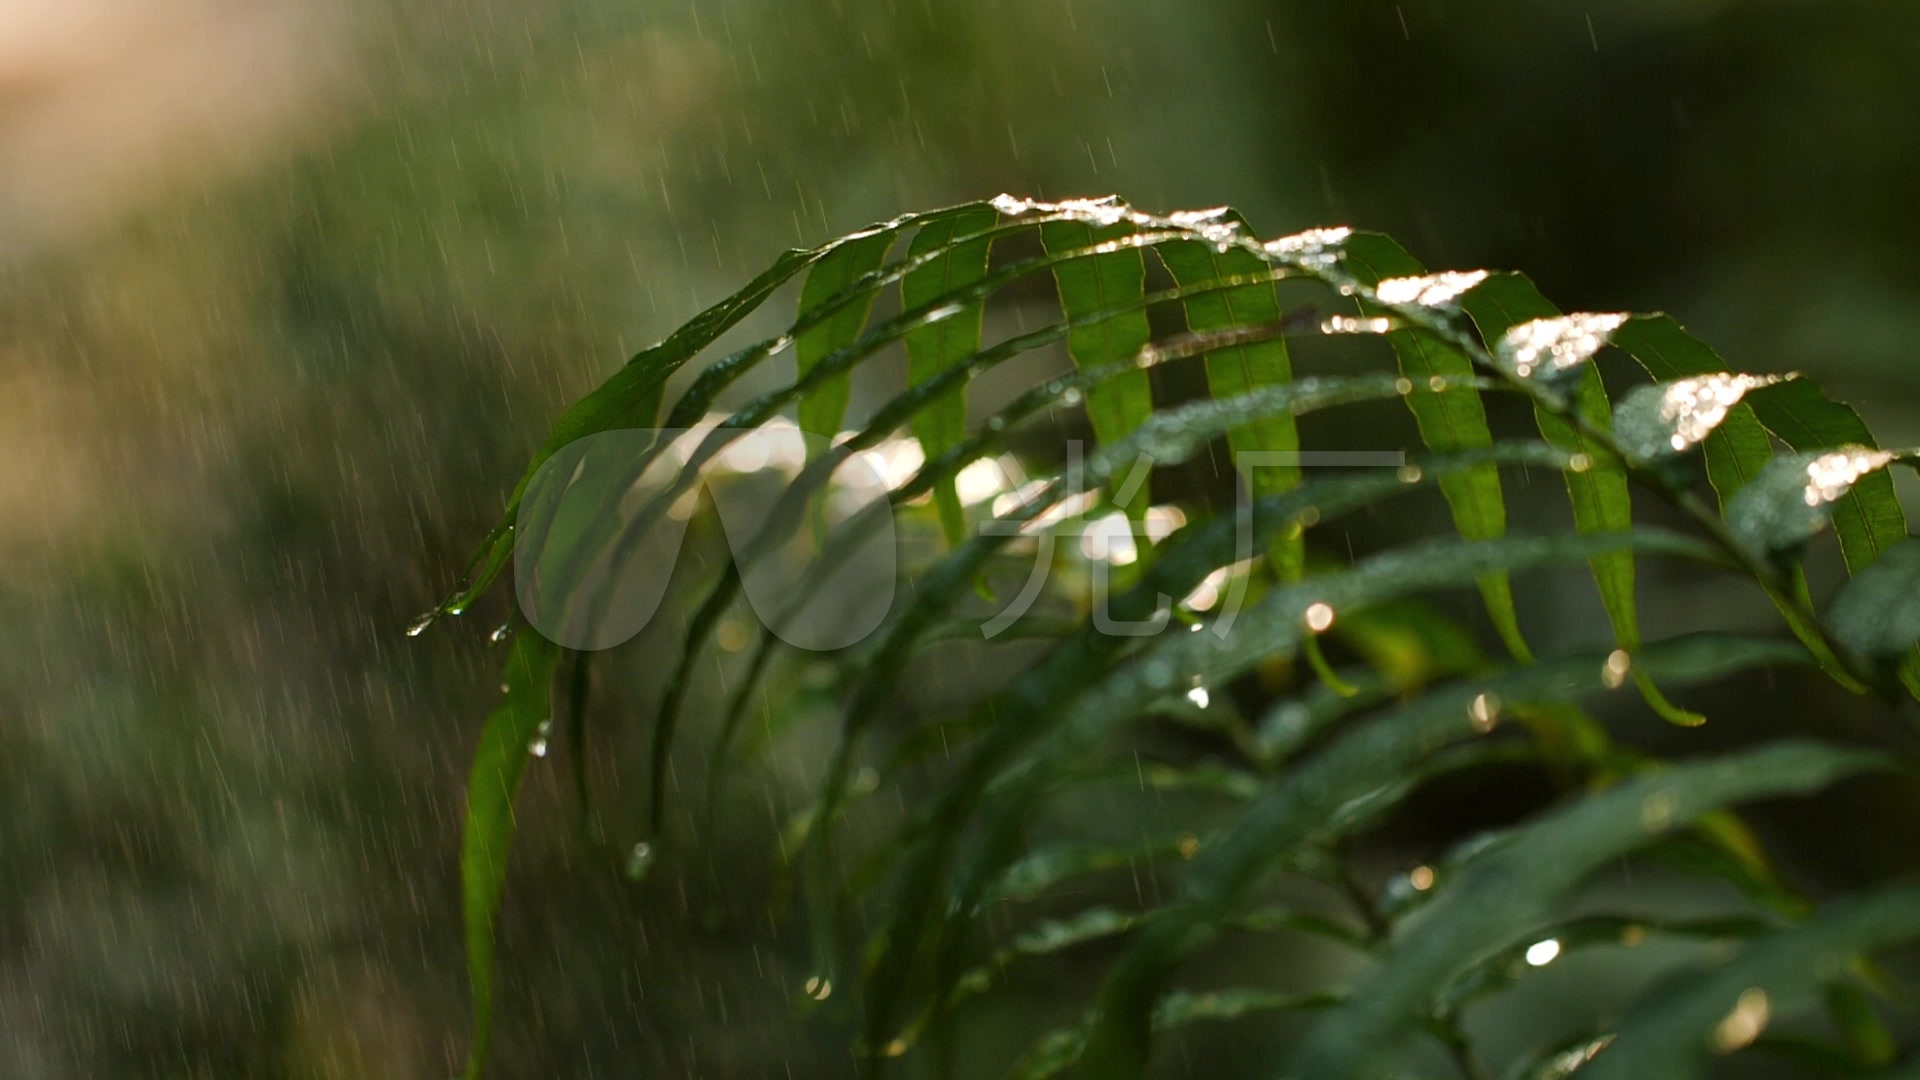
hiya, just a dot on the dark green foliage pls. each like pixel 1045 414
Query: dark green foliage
pixel 1290 791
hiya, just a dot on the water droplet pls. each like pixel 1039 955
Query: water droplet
pixel 1745 1023
pixel 1420 878
pixel 538 747
pixel 1484 711
pixel 1558 346
pixel 1315 248
pixel 1431 290
pixel 1349 324
pixel 421 622
pixel 639 861
pixel 1198 695
pixel 1319 617
pixel 501 633
pixel 1011 205
pixel 1437 383
pixel 818 987
pixel 1410 474
pixel 1831 476
pixel 1614 671
pixel 1403 386
pixel 1542 953
pixel 1693 408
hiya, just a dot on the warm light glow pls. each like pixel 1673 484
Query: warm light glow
pixel 1745 1023
pixel 1542 953
pixel 1614 671
pixel 1484 712
pixel 1319 617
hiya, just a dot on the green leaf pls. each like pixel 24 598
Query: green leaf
pixel 1674 1031
pixel 1867 519
pixel 1736 451
pixel 1876 616
pixel 1043 870
pixel 854 258
pixel 1510 965
pixel 1101 283
pixel 1497 898
pixel 1530 338
pixel 1241 369
pixel 1170 437
pixel 1906 1070
pixel 1062 699
pixel 1565 1060
pixel 938 346
pixel 1852 1011
pixel 1369 757
pixel 1738 448
pixel 497 764
pixel 1060 1050
pixel 1454 419
pixel 1665 421
pixel 631 397
pixel 1796 496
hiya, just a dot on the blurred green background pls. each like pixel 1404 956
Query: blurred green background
pixel 291 288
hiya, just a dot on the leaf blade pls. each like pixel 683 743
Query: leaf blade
pixel 1724 1008
pixel 855 257
pixel 1455 418
pixel 498 763
pixel 934 348
pixel 1602 503
pixel 1500 896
